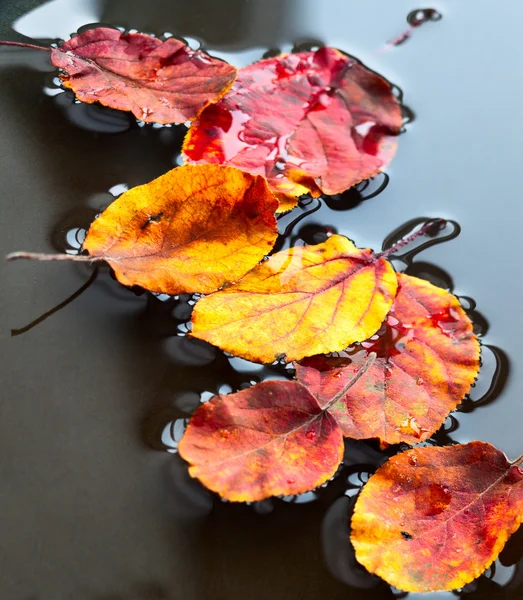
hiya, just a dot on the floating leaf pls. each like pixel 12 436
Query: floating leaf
pixel 267 440
pixel 435 518
pixel 264 441
pixel 158 81
pixel 310 122
pixel 301 301
pixel 191 230
pixel 427 359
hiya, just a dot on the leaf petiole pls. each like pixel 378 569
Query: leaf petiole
pixel 432 225
pixel 518 461
pixel 46 257
pixel 23 45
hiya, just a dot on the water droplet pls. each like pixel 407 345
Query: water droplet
pixel 310 435
pixel 422 15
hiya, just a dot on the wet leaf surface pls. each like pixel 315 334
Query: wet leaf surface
pixel 158 81
pixel 191 230
pixel 427 359
pixel 302 301
pixel 310 122
pixel 435 518
pixel 264 441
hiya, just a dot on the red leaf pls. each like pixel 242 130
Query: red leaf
pixel 158 81
pixel 309 122
pixel 435 518
pixel 267 440
pixel 427 359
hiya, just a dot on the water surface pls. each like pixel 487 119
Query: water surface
pixel 88 509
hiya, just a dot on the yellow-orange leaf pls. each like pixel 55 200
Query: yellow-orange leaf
pixel 435 518
pixel 191 230
pixel 303 301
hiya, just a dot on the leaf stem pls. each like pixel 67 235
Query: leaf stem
pixel 518 461
pixel 366 366
pixel 47 257
pixel 63 304
pixel 23 45
pixel 430 225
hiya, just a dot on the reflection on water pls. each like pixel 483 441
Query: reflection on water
pixel 120 361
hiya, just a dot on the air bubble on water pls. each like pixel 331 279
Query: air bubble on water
pixel 206 396
pixel 172 434
pixel 245 366
pixel 178 160
pixel 161 297
pixel 305 498
pixel 193 43
pixel 48 91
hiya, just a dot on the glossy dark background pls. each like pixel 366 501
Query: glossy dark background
pixel 88 510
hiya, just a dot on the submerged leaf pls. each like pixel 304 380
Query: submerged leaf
pixel 301 301
pixel 158 81
pixel 434 519
pixel 310 122
pixel 191 230
pixel 427 359
pixel 264 441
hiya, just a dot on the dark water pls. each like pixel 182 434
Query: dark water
pixel 88 509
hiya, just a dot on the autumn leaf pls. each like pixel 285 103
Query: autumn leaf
pixel 158 81
pixel 267 440
pixel 434 519
pixel 310 122
pixel 264 441
pixel 427 360
pixel 191 230
pixel 302 301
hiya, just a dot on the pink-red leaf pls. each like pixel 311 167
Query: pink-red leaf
pixel 158 81
pixel 309 122
pixel 264 441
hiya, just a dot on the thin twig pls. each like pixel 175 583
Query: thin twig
pixel 74 296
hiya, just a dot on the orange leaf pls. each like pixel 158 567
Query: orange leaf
pixel 435 518
pixel 309 122
pixel 159 82
pixel 191 230
pixel 302 301
pixel 264 441
pixel 427 359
